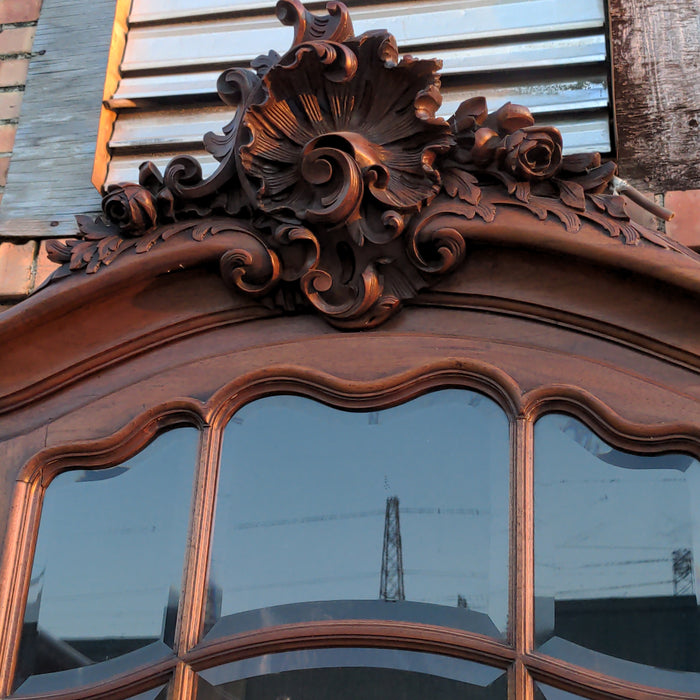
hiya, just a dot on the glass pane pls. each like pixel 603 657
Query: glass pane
pixel 352 674
pixel 546 692
pixel 108 565
pixel 407 505
pixel 159 693
pixel 616 537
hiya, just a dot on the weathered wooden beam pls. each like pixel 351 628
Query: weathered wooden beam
pixel 656 66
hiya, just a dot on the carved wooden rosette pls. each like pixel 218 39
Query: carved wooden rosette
pixel 330 165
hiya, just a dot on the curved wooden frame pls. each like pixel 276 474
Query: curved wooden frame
pixel 212 416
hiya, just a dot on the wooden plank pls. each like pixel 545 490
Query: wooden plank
pixel 112 78
pixel 587 50
pixel 160 130
pixel 429 23
pixel 579 137
pixel 657 92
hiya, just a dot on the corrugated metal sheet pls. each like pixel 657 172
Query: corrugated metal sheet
pixel 546 54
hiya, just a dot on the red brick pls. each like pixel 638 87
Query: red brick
pixel 7 137
pixel 10 103
pixel 44 267
pixel 19 10
pixel 4 167
pixel 13 71
pixel 685 225
pixel 16 269
pixel 16 40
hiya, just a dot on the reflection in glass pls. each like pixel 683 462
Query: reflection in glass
pixel 352 674
pixel 407 505
pixel 616 539
pixel 108 565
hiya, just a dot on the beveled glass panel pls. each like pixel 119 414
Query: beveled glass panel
pixel 308 494
pixel 616 542
pixel 159 693
pixel 352 674
pixel 108 566
pixel 547 692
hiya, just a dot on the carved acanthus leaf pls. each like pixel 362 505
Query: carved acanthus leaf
pixel 331 163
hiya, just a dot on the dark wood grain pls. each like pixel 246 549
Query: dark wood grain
pixel 656 65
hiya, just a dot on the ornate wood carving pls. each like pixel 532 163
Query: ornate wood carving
pixel 347 194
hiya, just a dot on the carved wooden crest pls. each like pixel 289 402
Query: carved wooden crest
pixel 338 187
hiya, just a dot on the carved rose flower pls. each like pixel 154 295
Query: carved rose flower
pixel 532 153
pixel 131 207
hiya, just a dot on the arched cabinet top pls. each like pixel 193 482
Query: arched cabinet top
pixel 530 320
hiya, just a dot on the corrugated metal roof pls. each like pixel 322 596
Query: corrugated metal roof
pixel 547 55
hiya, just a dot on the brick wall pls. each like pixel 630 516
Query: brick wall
pixel 18 20
pixel 21 267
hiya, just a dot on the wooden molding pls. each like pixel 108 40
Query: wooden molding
pixel 671 436
pixel 112 450
pixel 386 634
pixel 595 685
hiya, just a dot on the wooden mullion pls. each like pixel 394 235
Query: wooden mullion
pixel 520 683
pixel 184 683
pixel 194 584
pixel 15 574
pixel 522 596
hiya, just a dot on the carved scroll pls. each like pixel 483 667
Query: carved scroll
pixel 334 156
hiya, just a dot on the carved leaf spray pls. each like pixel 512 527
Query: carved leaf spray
pixel 341 188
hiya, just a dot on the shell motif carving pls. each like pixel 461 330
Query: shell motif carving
pixel 327 172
